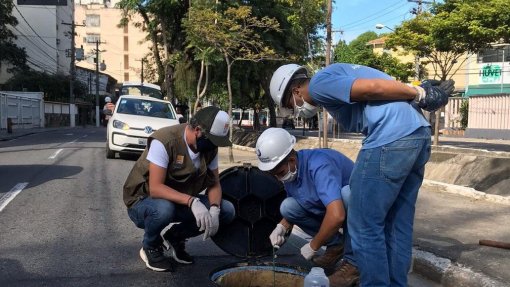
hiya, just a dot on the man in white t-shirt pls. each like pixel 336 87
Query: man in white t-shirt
pixel 165 185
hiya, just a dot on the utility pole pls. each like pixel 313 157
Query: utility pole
pixel 72 70
pixel 328 61
pixel 103 67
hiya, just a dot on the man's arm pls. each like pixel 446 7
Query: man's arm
pixel 214 192
pixel 158 189
pixel 333 220
pixel 381 90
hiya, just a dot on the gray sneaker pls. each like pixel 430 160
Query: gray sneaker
pixel 155 260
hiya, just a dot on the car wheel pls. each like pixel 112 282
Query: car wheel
pixel 109 153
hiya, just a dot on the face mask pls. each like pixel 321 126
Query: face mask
pixel 204 145
pixel 290 176
pixel 304 111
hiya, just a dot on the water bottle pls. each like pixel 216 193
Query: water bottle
pixel 316 278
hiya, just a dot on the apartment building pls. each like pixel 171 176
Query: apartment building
pixel 121 48
pixel 41 32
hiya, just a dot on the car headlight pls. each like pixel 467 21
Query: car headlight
pixel 120 125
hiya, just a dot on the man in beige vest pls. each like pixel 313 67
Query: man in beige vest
pixel 163 187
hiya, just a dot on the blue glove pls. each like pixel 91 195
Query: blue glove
pixel 436 94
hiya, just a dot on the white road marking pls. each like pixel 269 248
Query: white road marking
pixel 11 194
pixel 54 155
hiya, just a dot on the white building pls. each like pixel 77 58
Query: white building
pixel 40 31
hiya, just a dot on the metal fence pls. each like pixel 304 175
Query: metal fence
pixel 452 116
pixel 24 109
pixel 489 112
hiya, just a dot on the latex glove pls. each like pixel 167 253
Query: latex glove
pixel 201 214
pixel 436 94
pixel 214 211
pixel 277 237
pixel 307 251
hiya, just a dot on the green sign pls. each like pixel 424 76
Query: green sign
pixel 490 74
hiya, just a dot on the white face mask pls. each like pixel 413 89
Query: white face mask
pixel 305 111
pixel 290 176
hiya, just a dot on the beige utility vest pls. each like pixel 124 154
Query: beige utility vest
pixel 181 174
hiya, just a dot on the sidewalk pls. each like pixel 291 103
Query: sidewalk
pixel 447 230
pixel 16 133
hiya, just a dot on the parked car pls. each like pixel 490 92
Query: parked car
pixel 134 119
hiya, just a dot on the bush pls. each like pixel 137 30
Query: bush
pixel 464 112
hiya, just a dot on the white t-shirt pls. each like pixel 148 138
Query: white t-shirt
pixel 158 156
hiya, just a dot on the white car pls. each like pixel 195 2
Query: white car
pixel 134 119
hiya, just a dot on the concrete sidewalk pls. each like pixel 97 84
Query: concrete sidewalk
pixel 448 227
pixel 16 133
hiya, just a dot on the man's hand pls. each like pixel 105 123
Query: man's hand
pixel 277 237
pixel 307 251
pixel 214 211
pixel 433 94
pixel 201 214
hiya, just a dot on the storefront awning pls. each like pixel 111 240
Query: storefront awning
pixel 489 89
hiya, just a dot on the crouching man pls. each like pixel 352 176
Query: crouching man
pixel 163 187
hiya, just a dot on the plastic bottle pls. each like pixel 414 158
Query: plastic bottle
pixel 316 278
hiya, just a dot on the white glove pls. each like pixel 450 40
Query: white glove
pixel 201 214
pixel 307 251
pixel 277 237
pixel 421 92
pixel 214 211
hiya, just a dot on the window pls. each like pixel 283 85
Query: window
pixel 146 108
pixel 126 43
pixel 93 20
pixel 494 55
pixel 93 38
pixel 126 77
pixel 126 28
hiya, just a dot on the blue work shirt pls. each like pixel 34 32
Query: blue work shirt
pixel 382 122
pixel 321 175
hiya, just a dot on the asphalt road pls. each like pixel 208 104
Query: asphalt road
pixel 63 222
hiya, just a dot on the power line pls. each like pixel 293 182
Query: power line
pixel 33 28
pixel 377 14
pixel 35 45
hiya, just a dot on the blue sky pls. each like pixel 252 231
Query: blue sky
pixel 355 17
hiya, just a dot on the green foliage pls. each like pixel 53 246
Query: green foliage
pixel 464 113
pixel 9 51
pixel 54 87
pixel 452 29
pixel 358 52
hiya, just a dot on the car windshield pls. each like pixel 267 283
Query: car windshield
pixel 146 108
pixel 142 91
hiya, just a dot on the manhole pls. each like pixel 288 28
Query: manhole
pixel 261 275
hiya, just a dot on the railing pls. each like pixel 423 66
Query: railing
pixel 452 114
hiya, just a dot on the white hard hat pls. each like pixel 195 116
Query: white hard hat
pixel 280 81
pixel 273 145
pixel 108 99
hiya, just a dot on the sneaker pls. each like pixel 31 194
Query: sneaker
pixel 329 259
pixel 155 260
pixel 346 275
pixel 177 248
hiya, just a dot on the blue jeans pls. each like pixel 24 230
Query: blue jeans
pixel 385 183
pixel 310 223
pixel 153 215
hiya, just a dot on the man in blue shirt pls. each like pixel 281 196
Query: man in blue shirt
pixel 390 166
pixel 316 181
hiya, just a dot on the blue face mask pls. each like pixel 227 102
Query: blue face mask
pixel 204 144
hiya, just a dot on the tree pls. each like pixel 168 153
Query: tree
pixel 162 19
pixel 451 30
pixel 9 51
pixel 235 33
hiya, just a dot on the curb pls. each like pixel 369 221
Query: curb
pixel 437 186
pixel 448 273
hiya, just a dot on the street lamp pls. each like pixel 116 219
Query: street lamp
pixel 381 26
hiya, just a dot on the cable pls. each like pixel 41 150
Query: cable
pixel 375 14
pixel 34 45
pixel 33 28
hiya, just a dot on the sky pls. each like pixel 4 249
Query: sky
pixel 355 17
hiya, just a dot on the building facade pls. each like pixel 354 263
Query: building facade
pixel 40 31
pixel 121 48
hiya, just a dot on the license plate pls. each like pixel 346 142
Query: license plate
pixel 142 141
